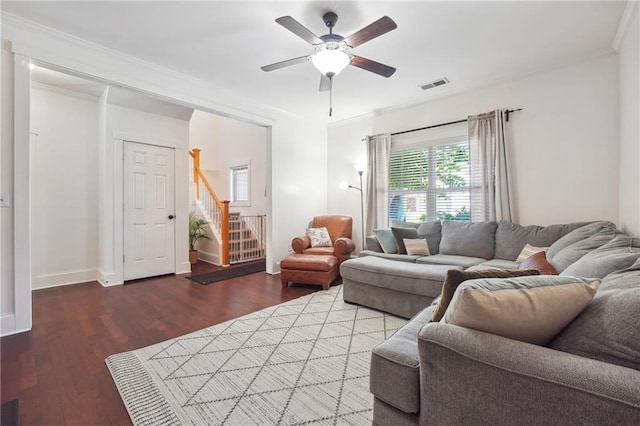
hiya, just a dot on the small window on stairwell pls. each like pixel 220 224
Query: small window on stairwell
pixel 240 185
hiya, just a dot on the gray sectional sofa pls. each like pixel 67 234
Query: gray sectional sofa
pixel 436 373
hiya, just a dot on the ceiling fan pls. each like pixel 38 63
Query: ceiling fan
pixel 331 51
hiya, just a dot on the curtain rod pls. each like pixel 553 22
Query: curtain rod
pixel 507 112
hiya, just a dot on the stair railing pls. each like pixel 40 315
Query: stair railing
pixel 216 209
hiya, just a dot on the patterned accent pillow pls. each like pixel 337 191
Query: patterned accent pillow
pixel 539 262
pixel 529 309
pixel 416 247
pixel 528 250
pixel 319 237
pixel 456 277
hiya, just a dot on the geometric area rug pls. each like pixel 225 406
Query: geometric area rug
pixel 305 361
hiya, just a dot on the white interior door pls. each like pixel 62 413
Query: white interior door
pixel 149 247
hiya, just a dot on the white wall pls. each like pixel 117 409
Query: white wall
pixel 563 148
pixel 629 118
pixel 227 143
pixel 64 187
pixel 6 186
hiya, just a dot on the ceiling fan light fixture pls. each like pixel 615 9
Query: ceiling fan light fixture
pixel 330 62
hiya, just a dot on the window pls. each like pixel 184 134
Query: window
pixel 430 181
pixel 240 185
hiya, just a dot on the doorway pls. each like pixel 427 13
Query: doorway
pixel 149 210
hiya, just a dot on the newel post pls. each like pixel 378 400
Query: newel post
pixel 225 233
pixel 196 171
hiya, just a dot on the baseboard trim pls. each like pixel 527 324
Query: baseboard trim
pixel 108 280
pixel 64 278
pixel 209 257
pixel 185 268
pixel 8 325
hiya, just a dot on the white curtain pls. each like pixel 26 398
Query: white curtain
pixel 490 189
pixel 378 156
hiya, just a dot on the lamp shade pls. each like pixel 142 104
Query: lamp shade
pixel 344 185
pixel 329 61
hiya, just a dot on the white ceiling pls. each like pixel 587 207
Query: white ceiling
pixel 473 44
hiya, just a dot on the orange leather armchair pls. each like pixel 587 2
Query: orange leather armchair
pixel 339 228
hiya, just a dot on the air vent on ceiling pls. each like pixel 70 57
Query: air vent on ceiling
pixel 433 84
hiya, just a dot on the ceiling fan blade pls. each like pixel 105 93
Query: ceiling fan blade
pixel 286 63
pixel 298 29
pixel 325 83
pixel 372 66
pixel 371 31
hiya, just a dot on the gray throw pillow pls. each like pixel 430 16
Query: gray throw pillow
pixel 607 330
pixel 386 240
pixel 429 230
pixel 432 231
pixel 511 237
pixel 468 239
pixel 571 253
pixel 619 253
pixel 399 234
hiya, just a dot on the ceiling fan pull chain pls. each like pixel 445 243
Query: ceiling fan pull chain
pixel 331 99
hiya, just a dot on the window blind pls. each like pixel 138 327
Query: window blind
pixel 429 182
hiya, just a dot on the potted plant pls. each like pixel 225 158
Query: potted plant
pixel 197 231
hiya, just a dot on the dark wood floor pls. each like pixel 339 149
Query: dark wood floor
pixel 57 370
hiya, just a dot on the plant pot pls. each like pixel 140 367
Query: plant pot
pixel 193 256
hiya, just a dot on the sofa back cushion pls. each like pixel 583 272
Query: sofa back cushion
pixel 511 237
pixel 619 253
pixel 476 239
pixel 607 330
pixel 579 242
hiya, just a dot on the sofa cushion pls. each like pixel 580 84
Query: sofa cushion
pixel 539 262
pixel 529 309
pixel 619 253
pixel 397 257
pixel 432 231
pixel 372 243
pixel 395 366
pixel 607 330
pixel 386 240
pixel 511 237
pixel 450 259
pixel 579 242
pixel 416 247
pixel 400 234
pixel 468 239
pixel 423 280
pixel 455 278
pixel 494 264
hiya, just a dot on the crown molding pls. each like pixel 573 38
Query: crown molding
pixel 630 12
pixel 245 113
pixel 64 91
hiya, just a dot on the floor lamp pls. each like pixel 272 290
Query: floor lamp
pixel 345 185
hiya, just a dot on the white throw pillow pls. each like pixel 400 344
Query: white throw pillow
pixel 528 251
pixel 416 247
pixel 319 237
pixel 531 309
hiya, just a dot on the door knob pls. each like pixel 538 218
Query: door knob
pixel 171 216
